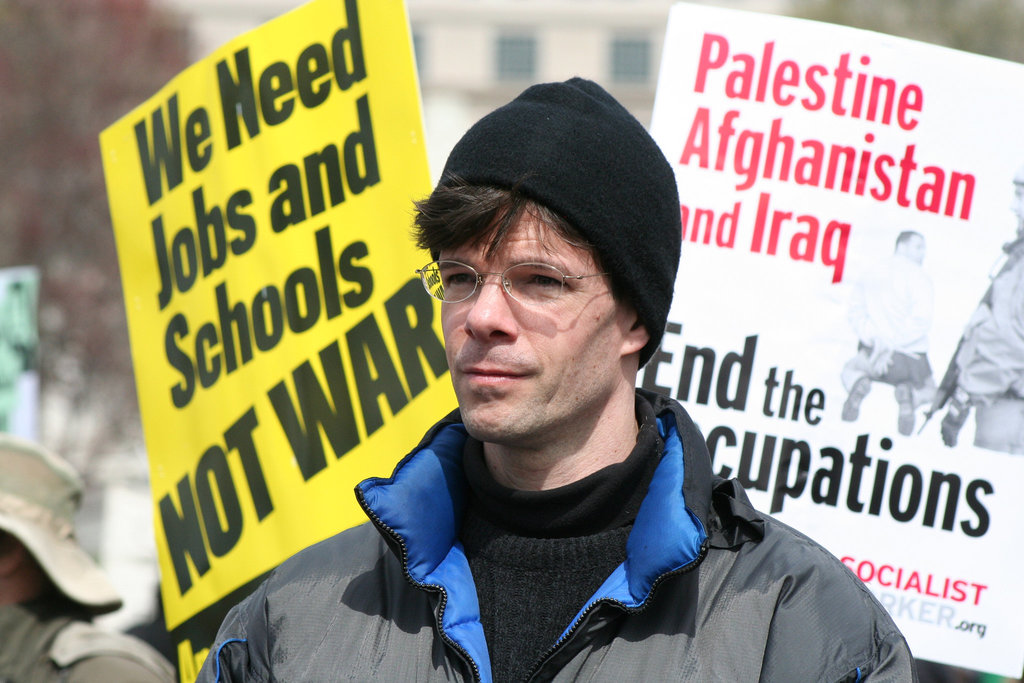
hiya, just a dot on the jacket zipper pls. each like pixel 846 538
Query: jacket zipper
pixel 443 594
pixel 615 603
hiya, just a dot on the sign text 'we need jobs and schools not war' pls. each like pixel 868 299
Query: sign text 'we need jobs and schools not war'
pixel 283 347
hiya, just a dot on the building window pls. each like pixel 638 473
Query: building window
pixel 631 60
pixel 517 57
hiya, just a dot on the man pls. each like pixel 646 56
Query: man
pixel 50 588
pixel 560 525
pixel 988 367
pixel 891 313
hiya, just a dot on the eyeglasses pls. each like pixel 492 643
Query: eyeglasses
pixel 527 283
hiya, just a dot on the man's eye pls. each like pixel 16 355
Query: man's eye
pixel 535 280
pixel 541 280
pixel 459 278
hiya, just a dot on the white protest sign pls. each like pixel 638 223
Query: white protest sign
pixel 846 198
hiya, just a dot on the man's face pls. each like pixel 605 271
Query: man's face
pixel 1018 203
pixel 913 249
pixel 528 375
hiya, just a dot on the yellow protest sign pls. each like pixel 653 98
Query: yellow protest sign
pixel 283 346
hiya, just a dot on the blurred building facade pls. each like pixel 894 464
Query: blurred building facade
pixel 474 55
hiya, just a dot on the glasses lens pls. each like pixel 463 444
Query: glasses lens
pixel 431 277
pixel 534 283
pixel 450 280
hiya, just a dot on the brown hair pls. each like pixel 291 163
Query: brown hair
pixel 458 214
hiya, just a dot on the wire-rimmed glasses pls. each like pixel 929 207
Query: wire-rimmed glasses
pixel 527 283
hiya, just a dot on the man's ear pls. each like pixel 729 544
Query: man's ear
pixel 636 337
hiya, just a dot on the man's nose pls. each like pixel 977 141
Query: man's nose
pixel 490 309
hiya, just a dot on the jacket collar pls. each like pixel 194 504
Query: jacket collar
pixel 420 506
pixel 721 505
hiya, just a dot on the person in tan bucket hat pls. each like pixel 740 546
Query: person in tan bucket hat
pixel 50 588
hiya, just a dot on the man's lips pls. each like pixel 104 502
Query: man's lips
pixel 490 374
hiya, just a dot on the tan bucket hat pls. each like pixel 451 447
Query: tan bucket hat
pixel 39 496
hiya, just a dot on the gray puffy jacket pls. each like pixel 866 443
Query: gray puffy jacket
pixel 711 590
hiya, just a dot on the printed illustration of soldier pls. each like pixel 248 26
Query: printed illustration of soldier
pixel 891 314
pixel 987 370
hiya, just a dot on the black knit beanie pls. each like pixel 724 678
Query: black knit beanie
pixel 573 148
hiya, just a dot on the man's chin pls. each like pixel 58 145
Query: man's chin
pixel 490 426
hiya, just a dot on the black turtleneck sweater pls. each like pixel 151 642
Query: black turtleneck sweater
pixel 536 556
